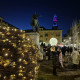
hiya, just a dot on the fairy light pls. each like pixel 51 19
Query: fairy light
pixel 20 59
pixel 3 49
pixel 4 28
pixel 20 66
pixel 7 29
pixel 24 77
pixel 18 54
pixel 4 77
pixel 0 75
pixel 28 39
pixel 8 33
pixel 7 39
pixel 4 40
pixel 21 30
pixel 6 54
pixel 15 29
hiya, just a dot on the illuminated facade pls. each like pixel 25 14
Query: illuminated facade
pixel 47 34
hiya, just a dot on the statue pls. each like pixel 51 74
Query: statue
pixel 35 23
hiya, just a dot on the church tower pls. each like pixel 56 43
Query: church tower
pixel 54 27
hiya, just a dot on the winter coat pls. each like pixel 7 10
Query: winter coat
pixel 61 59
pixel 55 57
pixel 75 57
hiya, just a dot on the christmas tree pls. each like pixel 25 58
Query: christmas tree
pixel 18 55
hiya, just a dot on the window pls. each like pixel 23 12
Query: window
pixel 46 39
pixel 52 33
pixel 58 34
pixel 46 34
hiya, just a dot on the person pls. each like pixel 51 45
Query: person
pixel 75 58
pixel 61 59
pixel 63 50
pixel 41 53
pixel 71 50
pixel 54 59
pixel 48 52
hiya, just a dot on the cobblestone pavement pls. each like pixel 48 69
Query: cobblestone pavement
pixel 69 72
pixel 66 71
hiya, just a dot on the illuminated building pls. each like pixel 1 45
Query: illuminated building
pixel 55 26
pixel 47 34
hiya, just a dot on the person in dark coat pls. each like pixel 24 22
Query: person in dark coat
pixel 63 50
pixel 48 52
pixel 68 50
pixel 54 59
pixel 71 50
pixel 58 52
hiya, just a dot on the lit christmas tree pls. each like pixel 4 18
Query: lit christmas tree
pixel 18 55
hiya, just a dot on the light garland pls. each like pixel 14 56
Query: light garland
pixel 18 55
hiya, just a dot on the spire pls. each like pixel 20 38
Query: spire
pixel 54 22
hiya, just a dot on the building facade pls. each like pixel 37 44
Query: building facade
pixel 47 34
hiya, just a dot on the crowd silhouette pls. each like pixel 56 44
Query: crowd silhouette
pixel 61 56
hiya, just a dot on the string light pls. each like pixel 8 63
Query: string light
pixel 28 39
pixel 19 55
pixel 6 54
pixel 20 59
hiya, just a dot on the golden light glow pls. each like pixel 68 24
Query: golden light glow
pixel 20 74
pixel 4 77
pixel 8 33
pixel 20 59
pixel 18 55
pixel 6 54
pixel 4 40
pixel 20 66
pixel 0 75
pixel 14 63
pixel 15 29
pixel 24 78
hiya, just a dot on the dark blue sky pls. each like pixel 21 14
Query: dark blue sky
pixel 19 12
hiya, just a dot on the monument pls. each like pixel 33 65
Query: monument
pixel 34 22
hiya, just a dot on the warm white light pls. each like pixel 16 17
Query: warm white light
pixel 4 77
pixel 15 29
pixel 6 54
pixel 21 30
pixel 28 39
pixel 53 41
pixel 4 28
pixel 0 75
pixel 20 59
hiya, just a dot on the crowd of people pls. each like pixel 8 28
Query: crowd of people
pixel 60 55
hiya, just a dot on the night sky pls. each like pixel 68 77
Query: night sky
pixel 19 12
